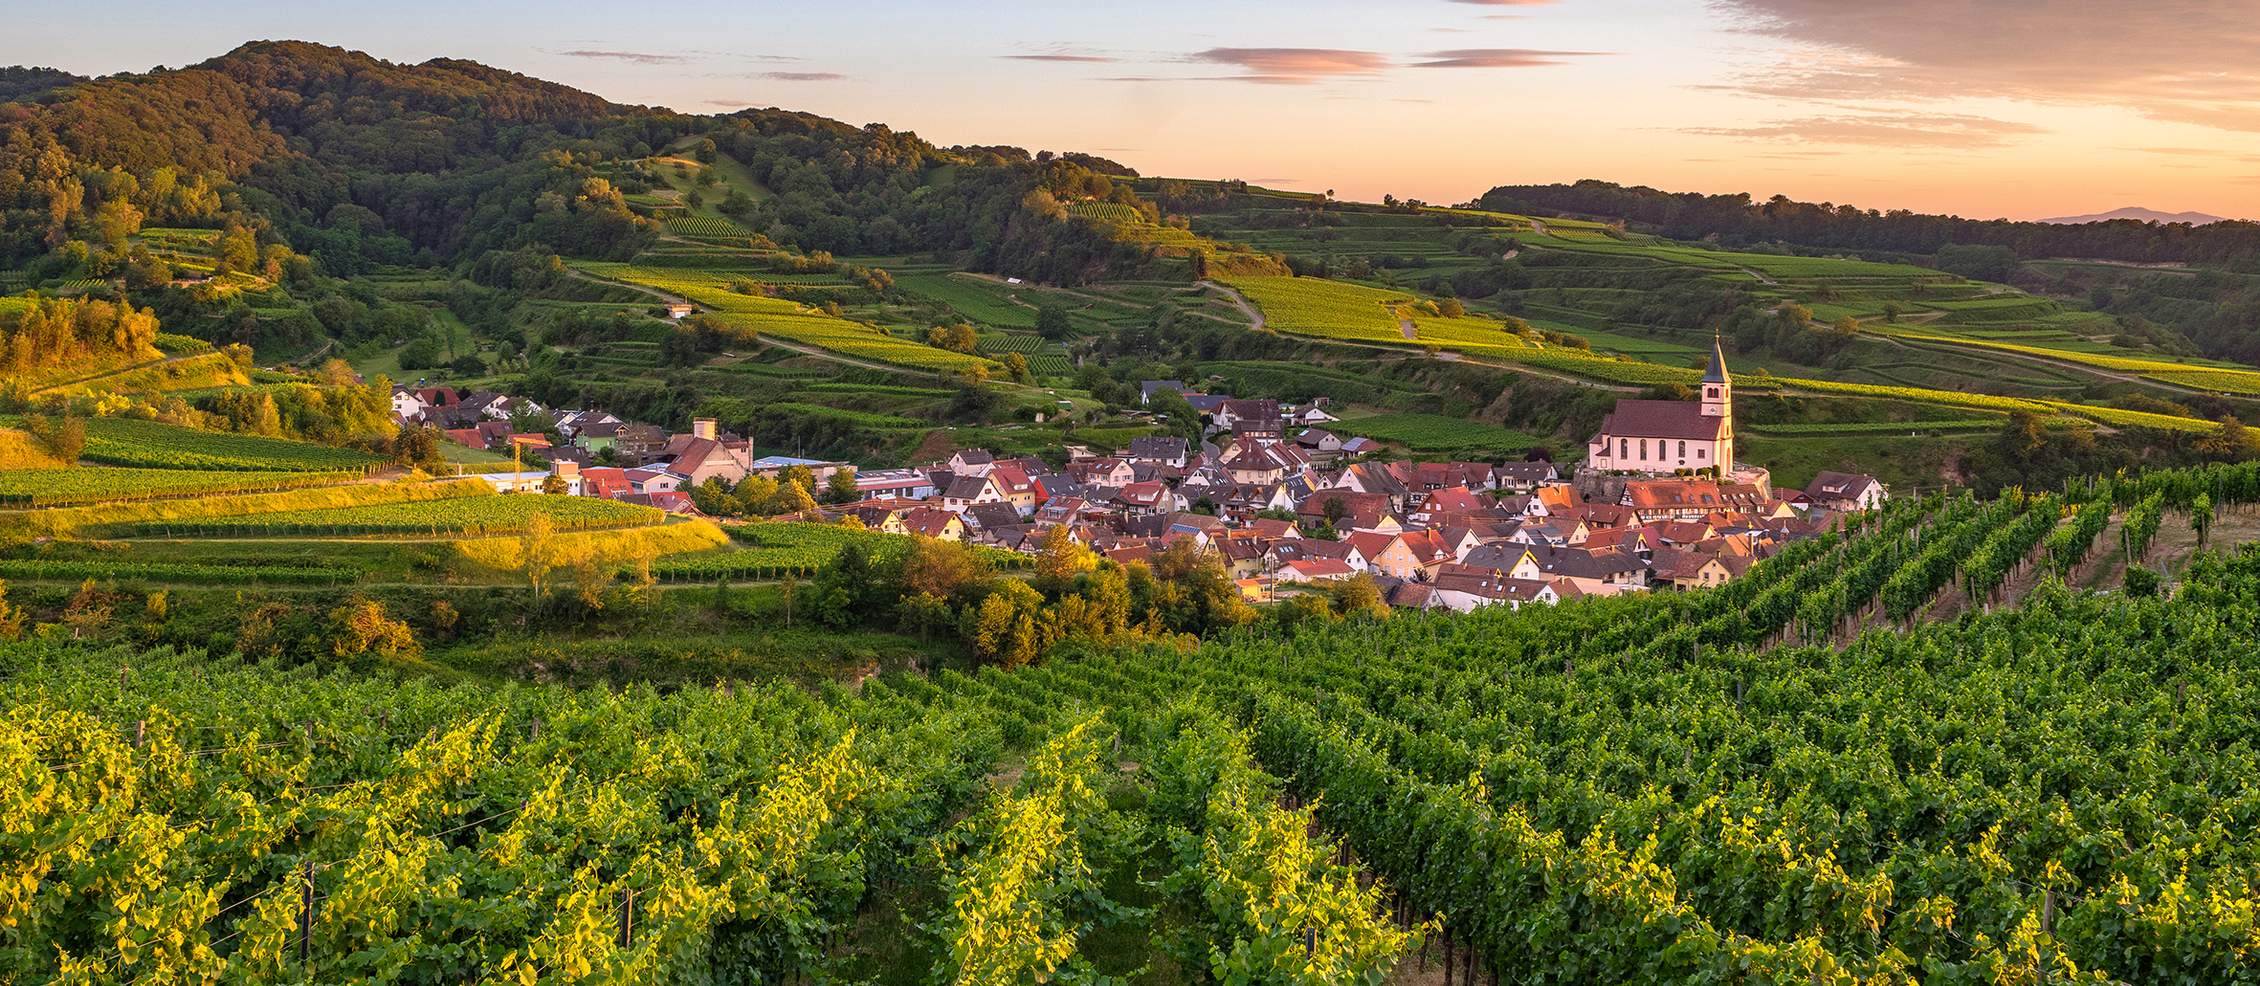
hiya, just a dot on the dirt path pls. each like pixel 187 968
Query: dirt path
pixel 2106 566
pixel 1255 315
pixel 1412 332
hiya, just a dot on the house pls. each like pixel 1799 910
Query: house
pixel 1843 492
pixel 1359 446
pixel 1663 437
pixel 1409 555
pixel 679 310
pixel 1694 570
pixel 1109 472
pixel 1148 388
pixel 933 522
pixel 1523 477
pixel 1302 549
pixel 1594 572
pixel 968 490
pixel 1254 418
pixel 701 459
pixel 1507 558
pixel 1312 415
pixel 990 518
pixel 1261 463
pixel 1319 440
pixel 972 462
pixel 1168 450
pixel 1148 499
pixel 648 480
pixel 605 482
pixel 639 443
pixel 907 483
pixel 407 405
pixel 1462 588
pixel 1316 570
pixel 1013 484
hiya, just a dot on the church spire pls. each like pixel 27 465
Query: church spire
pixel 1716 372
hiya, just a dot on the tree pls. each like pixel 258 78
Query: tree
pixel 957 337
pixel 1016 367
pixel 555 485
pixel 1360 595
pixel 923 612
pixel 941 568
pixel 1060 558
pixel 839 487
pixel 417 446
pixel 1052 323
pixel 11 616
pixel 362 626
pixel 538 552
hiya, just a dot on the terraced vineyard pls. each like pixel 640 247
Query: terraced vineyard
pixel 799 550
pixel 101 484
pixel 149 444
pixel 782 319
pixel 462 516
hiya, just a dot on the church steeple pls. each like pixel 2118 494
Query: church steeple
pixel 1718 388
pixel 1716 372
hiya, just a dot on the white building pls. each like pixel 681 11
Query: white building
pixel 1664 437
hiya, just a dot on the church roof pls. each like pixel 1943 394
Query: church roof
pixel 1716 372
pixel 1662 419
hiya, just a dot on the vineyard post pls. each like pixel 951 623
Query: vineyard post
pixel 139 726
pixel 306 919
pixel 627 916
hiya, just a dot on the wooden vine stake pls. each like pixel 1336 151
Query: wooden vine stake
pixel 306 918
pixel 627 916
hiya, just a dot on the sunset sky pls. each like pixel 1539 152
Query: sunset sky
pixel 2017 108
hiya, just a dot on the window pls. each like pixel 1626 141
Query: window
pixel 1624 448
pixel 1702 453
pixel 1683 449
pixel 1643 450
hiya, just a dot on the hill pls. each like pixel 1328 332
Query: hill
pixel 2140 215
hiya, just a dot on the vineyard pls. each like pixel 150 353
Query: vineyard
pixel 149 444
pixel 763 315
pixel 104 484
pixel 463 516
pixel 787 549
pixel 1618 790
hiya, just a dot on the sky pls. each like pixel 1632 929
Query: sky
pixel 2022 109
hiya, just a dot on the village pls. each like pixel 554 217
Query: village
pixel 1284 504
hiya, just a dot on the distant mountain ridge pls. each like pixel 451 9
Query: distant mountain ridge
pixel 2139 214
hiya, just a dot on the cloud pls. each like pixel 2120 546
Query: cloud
pixel 1934 130
pixel 800 76
pixel 1059 57
pixel 1505 3
pixel 2179 60
pixel 1293 66
pixel 1498 58
pixel 632 57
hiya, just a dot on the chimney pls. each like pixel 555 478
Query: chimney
pixel 702 428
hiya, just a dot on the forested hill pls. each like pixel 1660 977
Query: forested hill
pixel 1738 218
pixel 357 161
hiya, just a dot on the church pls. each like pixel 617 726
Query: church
pixel 1663 437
